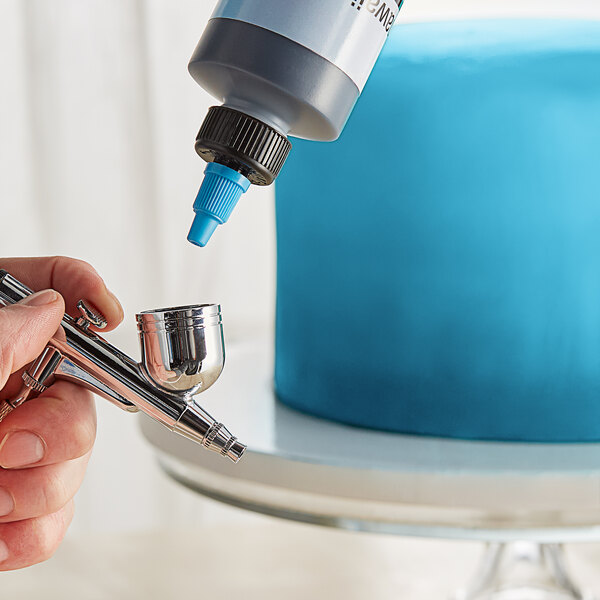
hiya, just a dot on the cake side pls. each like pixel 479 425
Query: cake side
pixel 440 274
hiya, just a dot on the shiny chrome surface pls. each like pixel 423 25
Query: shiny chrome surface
pixel 41 374
pixel 182 348
pixel 90 316
pixel 190 360
pixel 5 410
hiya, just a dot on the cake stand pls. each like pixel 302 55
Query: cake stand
pixel 522 500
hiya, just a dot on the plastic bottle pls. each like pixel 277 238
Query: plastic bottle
pixel 279 67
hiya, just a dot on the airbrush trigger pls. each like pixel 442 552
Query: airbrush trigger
pixel 89 317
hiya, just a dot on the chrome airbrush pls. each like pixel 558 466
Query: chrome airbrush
pixel 182 355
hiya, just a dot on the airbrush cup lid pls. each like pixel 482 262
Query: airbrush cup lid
pixel 179 318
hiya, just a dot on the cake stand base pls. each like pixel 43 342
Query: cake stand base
pixel 522 571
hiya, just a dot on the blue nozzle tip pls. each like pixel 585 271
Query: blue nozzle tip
pixel 219 193
pixel 202 229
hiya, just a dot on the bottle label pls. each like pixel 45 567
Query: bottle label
pixel 348 33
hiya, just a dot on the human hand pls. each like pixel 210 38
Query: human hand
pixel 45 444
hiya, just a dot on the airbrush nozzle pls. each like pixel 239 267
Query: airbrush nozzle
pixel 198 426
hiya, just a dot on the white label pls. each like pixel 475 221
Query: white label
pixel 348 33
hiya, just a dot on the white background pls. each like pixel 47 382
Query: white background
pixel 98 117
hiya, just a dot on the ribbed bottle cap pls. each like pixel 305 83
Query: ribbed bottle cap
pixel 219 193
pixel 238 140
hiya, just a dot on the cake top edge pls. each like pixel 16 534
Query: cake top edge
pixel 494 37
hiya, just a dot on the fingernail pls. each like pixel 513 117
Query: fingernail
pixel 40 298
pixel 7 503
pixel 20 449
pixel 3 551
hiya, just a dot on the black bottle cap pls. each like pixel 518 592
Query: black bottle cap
pixel 242 143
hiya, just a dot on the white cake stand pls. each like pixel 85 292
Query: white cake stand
pixel 523 500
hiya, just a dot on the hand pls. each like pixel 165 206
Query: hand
pixel 46 443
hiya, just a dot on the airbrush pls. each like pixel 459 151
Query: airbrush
pixel 182 355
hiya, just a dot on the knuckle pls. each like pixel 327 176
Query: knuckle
pixel 67 265
pixel 79 419
pixel 83 437
pixel 66 262
pixel 55 494
pixel 6 343
pixel 85 433
pixel 74 410
pixel 80 264
pixel 53 530
pixel 47 540
pixel 32 541
pixel 4 367
pixel 41 539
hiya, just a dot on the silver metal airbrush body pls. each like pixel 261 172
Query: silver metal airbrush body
pixel 182 355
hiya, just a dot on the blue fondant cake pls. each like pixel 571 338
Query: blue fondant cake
pixel 439 265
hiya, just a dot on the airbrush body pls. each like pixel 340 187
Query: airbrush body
pixel 182 355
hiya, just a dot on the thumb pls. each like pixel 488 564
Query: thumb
pixel 26 328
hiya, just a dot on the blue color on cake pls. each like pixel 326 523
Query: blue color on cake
pixel 439 265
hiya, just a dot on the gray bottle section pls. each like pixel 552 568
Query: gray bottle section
pixel 274 79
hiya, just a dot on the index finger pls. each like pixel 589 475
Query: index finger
pixel 74 279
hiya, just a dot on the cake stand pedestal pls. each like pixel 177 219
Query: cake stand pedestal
pixel 522 500
pixel 522 571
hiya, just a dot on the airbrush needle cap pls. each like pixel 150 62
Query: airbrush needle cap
pixel 219 193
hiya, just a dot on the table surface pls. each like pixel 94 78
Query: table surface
pixel 312 470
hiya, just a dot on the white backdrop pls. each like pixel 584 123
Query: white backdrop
pixel 97 122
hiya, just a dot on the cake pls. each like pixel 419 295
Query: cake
pixel 439 264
